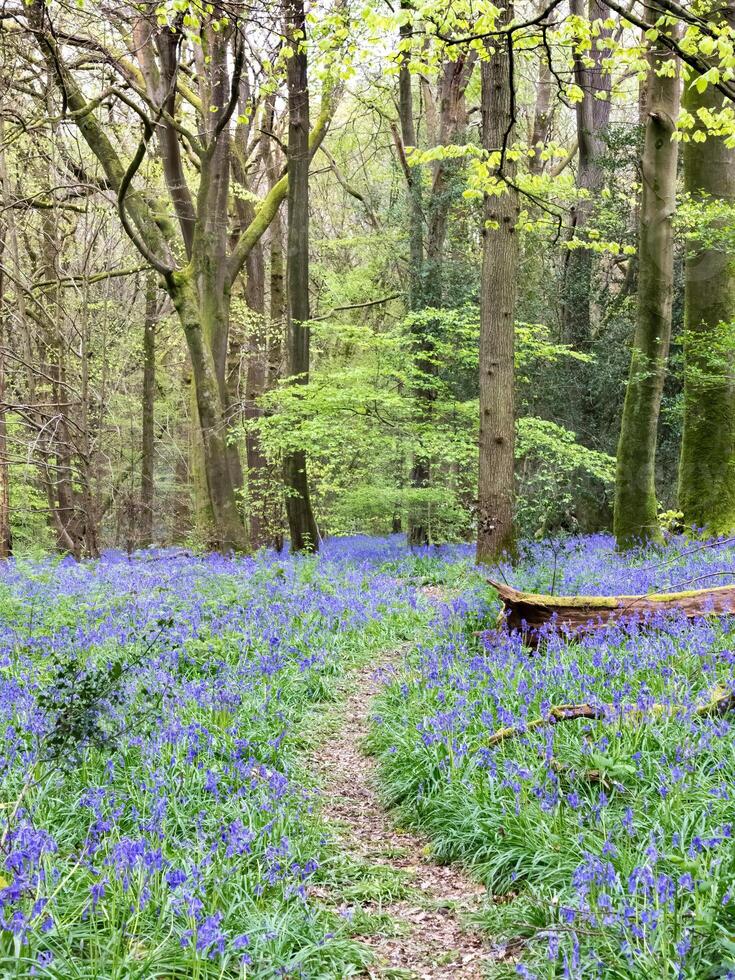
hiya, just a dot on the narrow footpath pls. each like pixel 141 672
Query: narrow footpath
pixel 431 938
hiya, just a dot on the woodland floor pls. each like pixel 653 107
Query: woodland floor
pixel 431 935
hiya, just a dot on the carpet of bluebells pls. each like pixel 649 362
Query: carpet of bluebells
pixel 155 816
pixel 609 844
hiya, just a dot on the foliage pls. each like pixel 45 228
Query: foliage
pixel 357 421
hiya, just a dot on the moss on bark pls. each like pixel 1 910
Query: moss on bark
pixel 636 511
pixel 707 464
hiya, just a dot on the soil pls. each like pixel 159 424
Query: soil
pixel 432 937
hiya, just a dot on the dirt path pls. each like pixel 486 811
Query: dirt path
pixel 430 940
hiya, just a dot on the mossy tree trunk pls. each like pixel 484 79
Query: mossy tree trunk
pixel 636 517
pixel 227 526
pixel 191 252
pixel 495 533
pixel 707 463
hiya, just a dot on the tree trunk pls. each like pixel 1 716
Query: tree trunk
pixel 413 178
pixel 6 542
pixel 301 523
pixel 418 517
pixel 276 305
pixel 635 492
pixel 497 315
pixel 593 117
pixel 542 112
pixel 707 464
pixel 148 413
pixel 68 517
pixel 255 382
pixel 228 531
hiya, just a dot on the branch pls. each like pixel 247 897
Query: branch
pixel 401 151
pixel 357 306
pixel 349 189
pixel 565 160
pixel 95 277
pixel 94 135
pixel 160 267
pixel 722 701
pixel 278 192
pixel 699 65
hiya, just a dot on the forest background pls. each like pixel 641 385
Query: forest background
pixel 277 270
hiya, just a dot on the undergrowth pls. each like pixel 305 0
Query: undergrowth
pixel 608 843
pixel 156 820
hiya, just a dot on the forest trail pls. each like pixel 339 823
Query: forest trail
pixel 430 940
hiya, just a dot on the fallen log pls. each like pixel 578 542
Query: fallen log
pixel 529 611
pixel 721 701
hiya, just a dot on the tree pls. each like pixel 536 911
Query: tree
pixel 500 252
pixel 301 523
pixel 194 258
pixel 592 117
pixel 6 542
pixel 707 463
pixel 428 214
pixel 147 457
pixel 636 517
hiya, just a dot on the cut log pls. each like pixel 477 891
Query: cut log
pixel 529 611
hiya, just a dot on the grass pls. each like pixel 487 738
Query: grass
pixel 156 818
pixel 607 842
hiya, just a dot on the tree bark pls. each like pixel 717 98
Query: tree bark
pixel 147 487
pixel 255 382
pixel 497 313
pixel 228 529
pixel 593 118
pixel 6 541
pixel 635 518
pixel 707 463
pixel 542 111
pixel 301 523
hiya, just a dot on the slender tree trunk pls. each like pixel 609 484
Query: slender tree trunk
pixel 707 464
pixel 413 178
pixel 542 112
pixel 255 382
pixel 301 523
pixel 418 514
pixel 276 326
pixel 277 304
pixel 147 487
pixel 68 517
pixel 635 492
pixel 593 117
pixel 497 315
pixel 6 541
